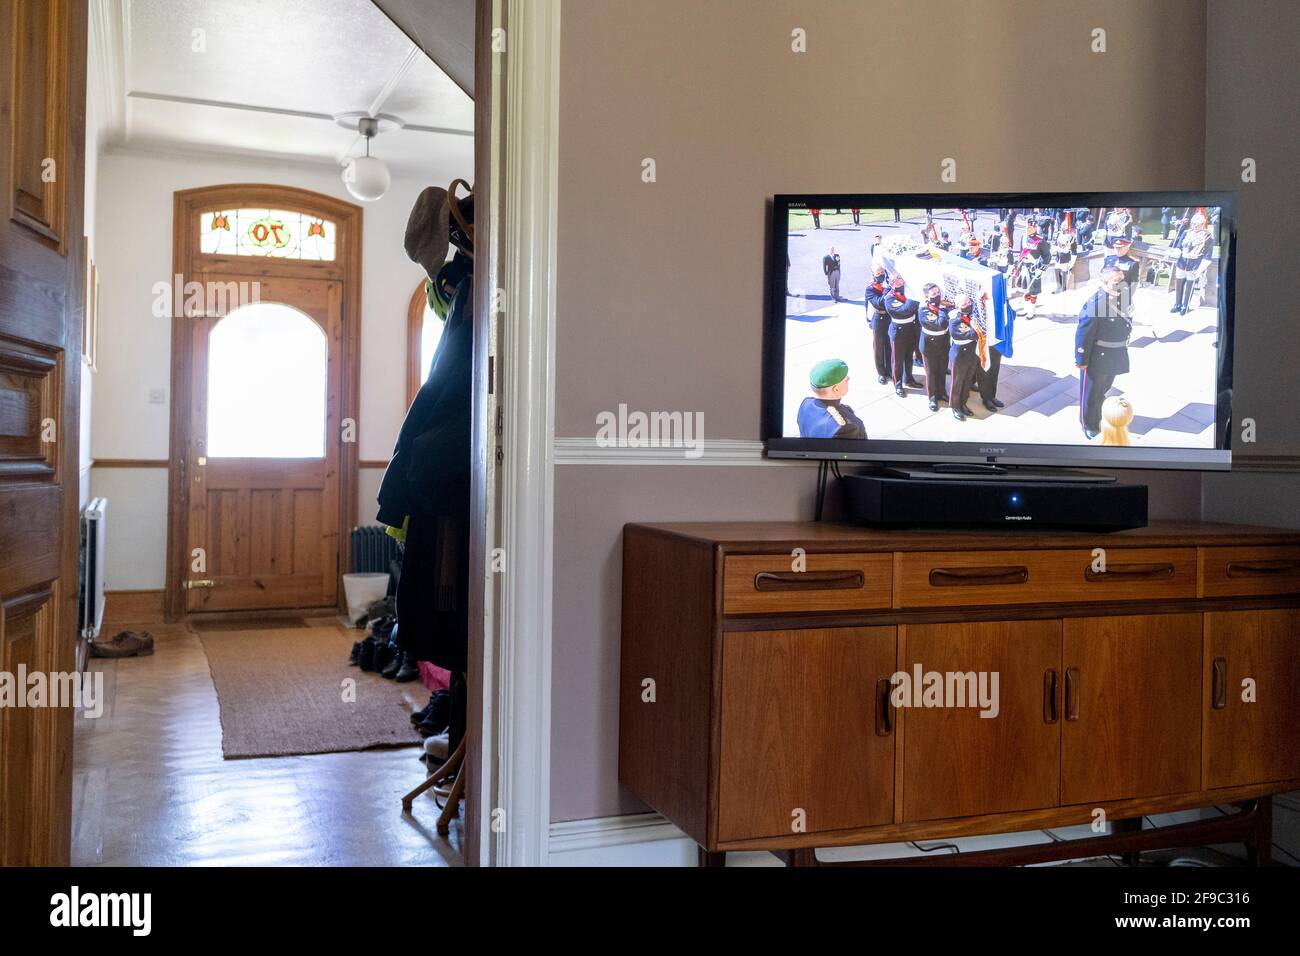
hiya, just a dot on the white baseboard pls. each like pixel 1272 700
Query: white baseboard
pixel 642 839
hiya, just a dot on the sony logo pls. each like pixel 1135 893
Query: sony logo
pixel 993 451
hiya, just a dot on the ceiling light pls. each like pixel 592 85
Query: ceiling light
pixel 366 177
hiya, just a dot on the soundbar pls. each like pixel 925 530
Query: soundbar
pixel 889 502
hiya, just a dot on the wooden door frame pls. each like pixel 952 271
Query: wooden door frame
pixel 188 204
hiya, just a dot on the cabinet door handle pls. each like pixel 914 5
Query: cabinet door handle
pixel 884 711
pixel 1072 693
pixel 808 580
pixel 1243 569
pixel 1049 696
pixel 1220 693
pixel 1117 571
pixel 970 577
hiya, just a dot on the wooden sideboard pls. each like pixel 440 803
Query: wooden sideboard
pixel 760 661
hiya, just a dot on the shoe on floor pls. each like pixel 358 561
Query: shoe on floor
pixel 366 658
pixel 393 666
pixel 435 749
pixel 409 671
pixel 354 658
pixel 125 644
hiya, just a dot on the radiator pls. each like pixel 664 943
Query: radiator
pixel 90 568
pixel 374 551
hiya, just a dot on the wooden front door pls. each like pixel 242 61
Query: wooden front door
pixel 42 141
pixel 264 448
pixel 957 763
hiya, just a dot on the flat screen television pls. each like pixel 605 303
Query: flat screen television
pixel 1084 329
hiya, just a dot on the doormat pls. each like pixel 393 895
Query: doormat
pixel 282 692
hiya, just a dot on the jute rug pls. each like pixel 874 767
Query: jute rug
pixel 283 692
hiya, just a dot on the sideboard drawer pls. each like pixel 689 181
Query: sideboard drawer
pixel 1235 572
pixel 948 578
pixel 769 583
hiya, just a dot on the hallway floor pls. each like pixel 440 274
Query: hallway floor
pixel 152 789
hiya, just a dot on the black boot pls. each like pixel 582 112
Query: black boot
pixel 366 657
pixel 409 671
pixel 1178 295
pixel 394 663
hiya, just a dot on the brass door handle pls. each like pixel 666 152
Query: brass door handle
pixel 808 580
pixel 1219 694
pixel 1117 571
pixel 970 577
pixel 1049 696
pixel 1072 693
pixel 884 712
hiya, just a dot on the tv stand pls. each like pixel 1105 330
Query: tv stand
pixel 775 650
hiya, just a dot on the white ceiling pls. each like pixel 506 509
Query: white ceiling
pixel 265 78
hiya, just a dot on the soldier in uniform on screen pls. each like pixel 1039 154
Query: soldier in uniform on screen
pixel 878 317
pixel 963 356
pixel 831 266
pixel 817 218
pixel 904 337
pixel 1194 251
pixel 933 319
pixel 1101 346
pixel 823 414
pixel 1121 259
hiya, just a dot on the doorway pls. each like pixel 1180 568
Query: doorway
pixel 263 463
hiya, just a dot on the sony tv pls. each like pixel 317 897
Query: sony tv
pixel 1084 329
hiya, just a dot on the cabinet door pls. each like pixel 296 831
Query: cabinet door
pixel 958 763
pixel 803 730
pixel 1251 742
pixel 1131 707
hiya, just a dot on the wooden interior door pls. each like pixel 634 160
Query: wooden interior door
pixel 802 731
pixel 1251 742
pixel 42 142
pixel 1132 707
pixel 957 763
pixel 263 499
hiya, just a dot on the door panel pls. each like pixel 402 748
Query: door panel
pixel 268 527
pixel 1248 742
pixel 799 731
pixel 42 131
pixel 957 763
pixel 1132 723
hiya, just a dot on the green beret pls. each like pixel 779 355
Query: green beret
pixel 829 372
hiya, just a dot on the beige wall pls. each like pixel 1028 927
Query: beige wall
pixel 660 286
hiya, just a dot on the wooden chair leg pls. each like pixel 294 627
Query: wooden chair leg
pixel 1133 857
pixel 709 858
pixel 452 809
pixel 451 764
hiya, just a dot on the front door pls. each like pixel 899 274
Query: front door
pixel 263 529
pixel 42 124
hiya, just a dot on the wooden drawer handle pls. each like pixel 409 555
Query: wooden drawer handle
pixel 884 712
pixel 1220 694
pixel 1072 693
pixel 1243 569
pixel 1117 572
pixel 808 580
pixel 1049 696
pixel 973 577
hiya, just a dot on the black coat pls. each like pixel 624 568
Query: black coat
pixel 428 480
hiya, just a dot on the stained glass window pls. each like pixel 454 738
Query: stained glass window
pixel 269 233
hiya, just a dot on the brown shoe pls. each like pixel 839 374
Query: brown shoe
pixel 125 644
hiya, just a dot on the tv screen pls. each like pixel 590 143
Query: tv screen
pixel 1085 329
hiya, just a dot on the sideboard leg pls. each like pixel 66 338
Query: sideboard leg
pixel 709 858
pixel 1259 843
pixel 1133 857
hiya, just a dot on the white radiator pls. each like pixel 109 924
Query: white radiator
pixel 91 567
